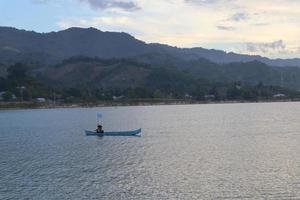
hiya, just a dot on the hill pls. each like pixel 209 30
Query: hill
pixel 140 72
pixel 54 47
pixel 91 79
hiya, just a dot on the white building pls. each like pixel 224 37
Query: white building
pixel 40 100
pixel 279 95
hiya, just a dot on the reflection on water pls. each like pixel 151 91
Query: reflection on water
pixel 226 151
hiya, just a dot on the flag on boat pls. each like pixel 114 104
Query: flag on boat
pixel 99 115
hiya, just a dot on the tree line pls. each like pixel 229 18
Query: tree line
pixel 21 84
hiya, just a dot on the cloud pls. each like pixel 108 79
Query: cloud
pixel 94 22
pixel 261 24
pixel 272 47
pixel 222 3
pixel 249 26
pixel 239 16
pixel 106 4
pixel 127 5
pixel 201 2
pixel 225 28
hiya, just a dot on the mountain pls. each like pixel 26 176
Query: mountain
pixel 221 57
pixel 54 47
pixel 109 74
pixel 91 79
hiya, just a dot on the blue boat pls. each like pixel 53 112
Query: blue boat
pixel 116 133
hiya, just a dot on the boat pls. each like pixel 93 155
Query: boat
pixel 115 133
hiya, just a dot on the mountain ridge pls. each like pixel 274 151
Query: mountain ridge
pixel 53 47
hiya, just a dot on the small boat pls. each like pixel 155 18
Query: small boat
pixel 117 133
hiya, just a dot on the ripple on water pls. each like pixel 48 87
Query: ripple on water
pixel 229 151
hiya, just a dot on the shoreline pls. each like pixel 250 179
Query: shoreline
pixel 33 105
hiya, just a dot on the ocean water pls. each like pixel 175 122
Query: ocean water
pixel 222 151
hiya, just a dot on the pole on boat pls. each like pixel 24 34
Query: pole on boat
pixel 99 116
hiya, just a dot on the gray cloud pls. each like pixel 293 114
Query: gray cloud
pixel 209 2
pixel 225 28
pixel 128 5
pixel 276 46
pixel 261 24
pixel 105 4
pixel 240 16
pixel 202 2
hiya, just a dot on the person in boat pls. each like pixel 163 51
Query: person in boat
pixel 99 129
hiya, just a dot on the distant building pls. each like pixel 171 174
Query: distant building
pixel 2 94
pixel 210 96
pixel 40 100
pixel 187 96
pixel 279 95
pixel 118 97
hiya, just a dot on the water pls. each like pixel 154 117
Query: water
pixel 225 151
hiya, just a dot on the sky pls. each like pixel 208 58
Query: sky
pixel 258 27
